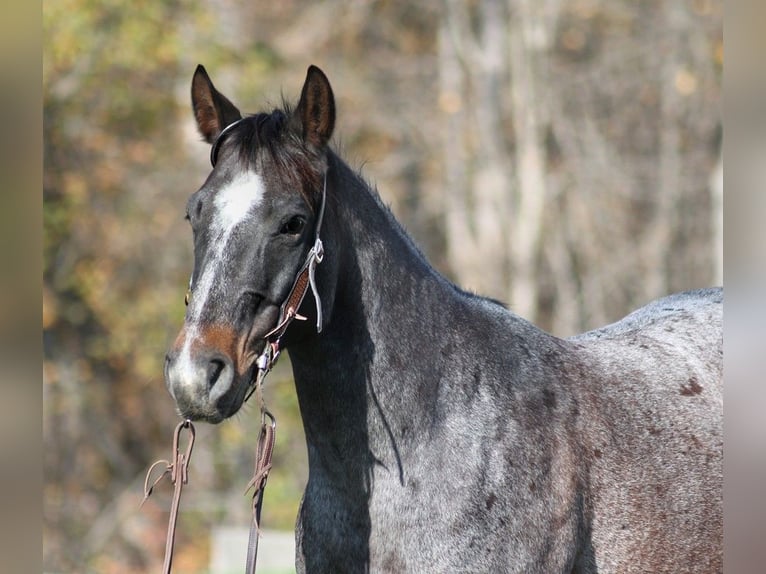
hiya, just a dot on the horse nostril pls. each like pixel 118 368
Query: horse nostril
pixel 214 369
pixel 220 378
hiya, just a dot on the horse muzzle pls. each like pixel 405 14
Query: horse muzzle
pixel 204 379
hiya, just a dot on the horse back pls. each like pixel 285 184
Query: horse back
pixel 652 406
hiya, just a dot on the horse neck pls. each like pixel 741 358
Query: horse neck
pixel 359 378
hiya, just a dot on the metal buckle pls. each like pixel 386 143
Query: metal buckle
pixel 317 254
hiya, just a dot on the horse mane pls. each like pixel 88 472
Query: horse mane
pixel 400 230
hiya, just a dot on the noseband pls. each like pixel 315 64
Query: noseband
pixel 304 279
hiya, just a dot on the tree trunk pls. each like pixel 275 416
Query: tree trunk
pixel 526 111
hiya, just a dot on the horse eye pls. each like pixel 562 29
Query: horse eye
pixel 293 226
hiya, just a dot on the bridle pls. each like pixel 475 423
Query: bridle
pixel 304 279
pixel 178 469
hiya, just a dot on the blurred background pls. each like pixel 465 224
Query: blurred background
pixel 563 156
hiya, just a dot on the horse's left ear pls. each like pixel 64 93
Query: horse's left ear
pixel 315 115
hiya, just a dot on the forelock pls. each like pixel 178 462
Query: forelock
pixel 266 141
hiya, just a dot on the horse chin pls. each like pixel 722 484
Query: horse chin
pixel 207 413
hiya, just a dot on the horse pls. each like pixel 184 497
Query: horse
pixel 444 432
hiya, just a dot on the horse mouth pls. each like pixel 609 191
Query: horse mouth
pixel 254 344
pixel 243 386
pixel 241 392
pixel 211 377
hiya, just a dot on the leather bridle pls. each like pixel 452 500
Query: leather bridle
pixel 288 313
pixel 303 279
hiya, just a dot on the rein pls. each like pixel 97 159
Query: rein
pixel 178 469
pixel 179 475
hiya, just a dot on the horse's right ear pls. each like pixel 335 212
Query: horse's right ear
pixel 314 117
pixel 212 110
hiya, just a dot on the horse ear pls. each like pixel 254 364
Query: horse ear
pixel 212 110
pixel 315 115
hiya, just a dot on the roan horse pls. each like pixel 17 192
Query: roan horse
pixel 444 432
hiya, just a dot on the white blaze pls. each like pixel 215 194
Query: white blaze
pixel 232 204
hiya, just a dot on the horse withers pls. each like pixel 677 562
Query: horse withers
pixel 444 432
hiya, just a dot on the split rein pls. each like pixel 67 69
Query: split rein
pixel 177 469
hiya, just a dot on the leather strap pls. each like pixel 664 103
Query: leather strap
pixel 219 140
pixel 179 475
pixel 261 471
pixel 305 279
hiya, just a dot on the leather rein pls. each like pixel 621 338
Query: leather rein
pixel 178 468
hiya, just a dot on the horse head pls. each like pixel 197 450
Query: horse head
pixel 254 222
